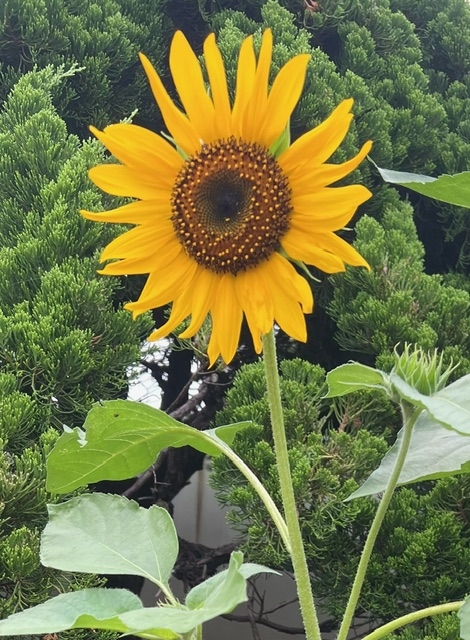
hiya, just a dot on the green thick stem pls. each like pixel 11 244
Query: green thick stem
pixel 410 414
pixel 297 551
pixel 409 618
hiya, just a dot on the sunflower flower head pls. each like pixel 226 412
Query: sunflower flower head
pixel 220 216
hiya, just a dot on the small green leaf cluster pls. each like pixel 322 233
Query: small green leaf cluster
pixel 101 39
pixel 422 371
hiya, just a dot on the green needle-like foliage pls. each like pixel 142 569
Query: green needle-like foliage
pixel 102 38
pixel 64 341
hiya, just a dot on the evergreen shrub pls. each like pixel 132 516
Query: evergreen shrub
pixel 64 341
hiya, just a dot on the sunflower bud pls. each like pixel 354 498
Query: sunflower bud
pixel 422 371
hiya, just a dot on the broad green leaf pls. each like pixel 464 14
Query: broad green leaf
pixel 464 615
pixel 451 405
pixel 435 452
pixel 109 534
pixel 353 377
pixel 122 439
pixel 217 596
pixel 86 609
pixel 452 189
pixel 122 611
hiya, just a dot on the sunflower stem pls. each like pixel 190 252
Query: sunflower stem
pixel 410 414
pixel 297 552
pixel 409 618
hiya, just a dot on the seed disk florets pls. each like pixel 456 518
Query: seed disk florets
pixel 231 205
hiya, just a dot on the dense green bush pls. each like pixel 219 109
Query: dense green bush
pixel 64 344
pixel 101 38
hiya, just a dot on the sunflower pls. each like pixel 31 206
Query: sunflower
pixel 222 214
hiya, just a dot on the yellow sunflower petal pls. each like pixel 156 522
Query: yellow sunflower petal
pixel 213 349
pixel 287 310
pixel 226 318
pixel 289 316
pixel 338 246
pixel 140 212
pixel 255 300
pixel 255 111
pixel 165 285
pixel 177 122
pixel 329 209
pixel 219 91
pixel 299 246
pixel 141 242
pixel 293 283
pixel 189 83
pixel 305 179
pixel 283 97
pixel 246 71
pixel 144 263
pixel 180 310
pixel 203 288
pixel 119 180
pixel 320 143
pixel 139 148
pixel 126 267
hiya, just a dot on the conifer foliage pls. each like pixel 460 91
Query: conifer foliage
pixel 101 38
pixel 63 345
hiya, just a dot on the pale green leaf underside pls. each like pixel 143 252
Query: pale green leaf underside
pixel 451 406
pixel 435 452
pixel 109 534
pixel 464 615
pixel 451 189
pixel 86 609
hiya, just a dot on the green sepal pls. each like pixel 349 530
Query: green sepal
pixel 282 143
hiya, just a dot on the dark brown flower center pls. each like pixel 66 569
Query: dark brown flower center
pixel 231 205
